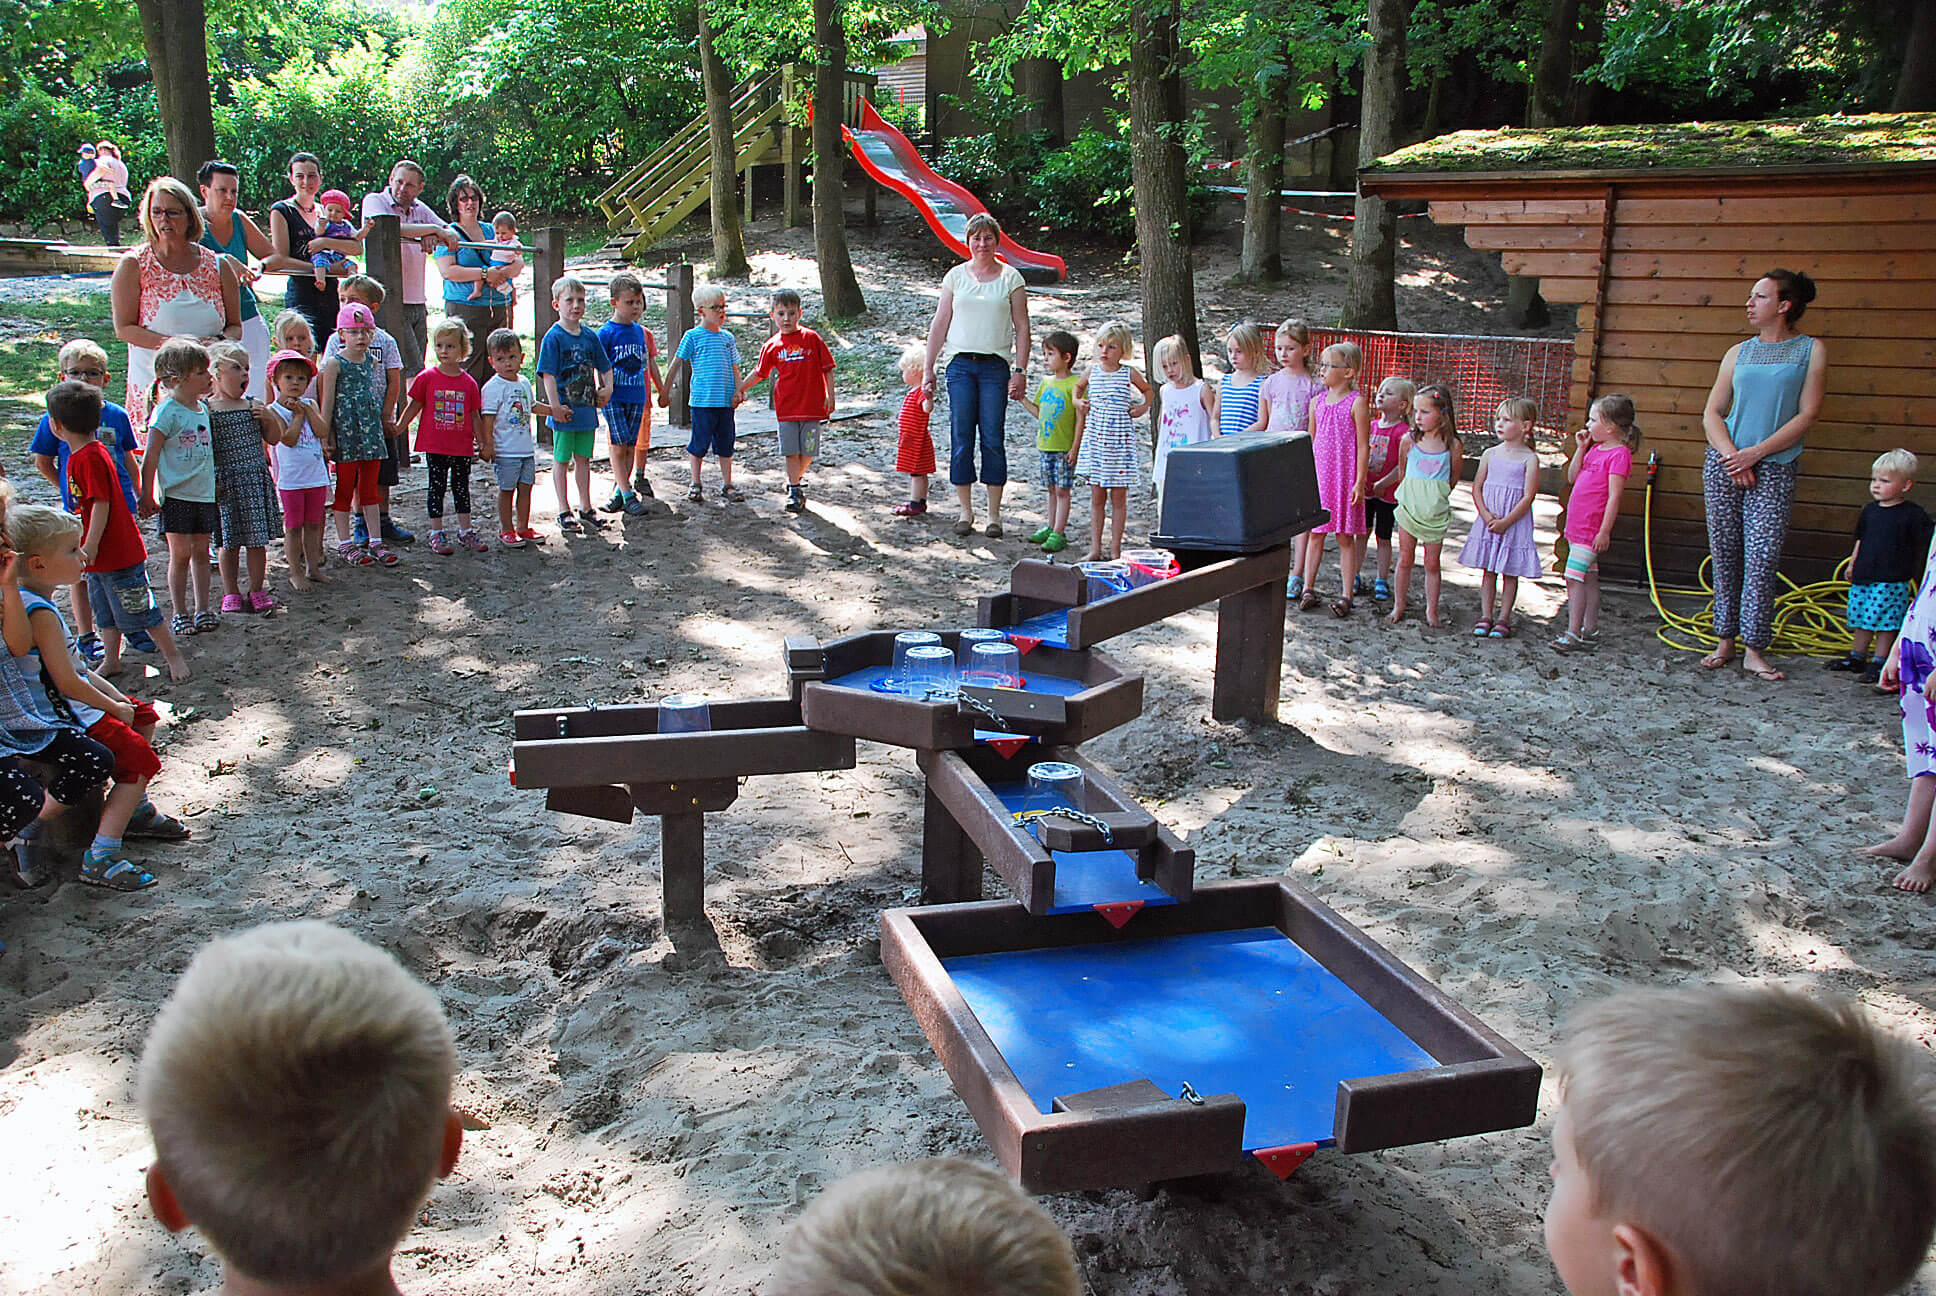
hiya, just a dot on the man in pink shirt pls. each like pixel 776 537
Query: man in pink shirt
pixel 421 230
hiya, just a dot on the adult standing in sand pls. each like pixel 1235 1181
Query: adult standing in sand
pixel 231 232
pixel 106 183
pixel 295 224
pixel 422 232
pixel 980 338
pixel 170 287
pixel 1765 397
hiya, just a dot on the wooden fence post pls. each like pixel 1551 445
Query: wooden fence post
pixel 383 257
pixel 679 319
pixel 547 267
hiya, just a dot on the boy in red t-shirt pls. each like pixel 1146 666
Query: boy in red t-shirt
pixel 803 394
pixel 452 432
pixel 117 559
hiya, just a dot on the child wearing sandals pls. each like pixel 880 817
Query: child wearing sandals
pixel 1433 462
pixel 245 489
pixel 1891 542
pixel 349 389
pixel 914 443
pixel 48 542
pixel 1911 667
pixel 1501 543
pixel 178 478
pixel 1111 397
pixel 302 468
pixel 1602 460
pixel 1391 430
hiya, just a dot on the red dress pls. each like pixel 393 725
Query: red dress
pixel 916 452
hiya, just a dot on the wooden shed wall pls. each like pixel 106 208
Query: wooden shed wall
pixel 1682 253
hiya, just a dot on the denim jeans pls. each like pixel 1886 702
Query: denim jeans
pixel 977 403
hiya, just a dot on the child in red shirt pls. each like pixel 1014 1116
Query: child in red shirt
pixel 117 558
pixel 803 394
pixel 451 434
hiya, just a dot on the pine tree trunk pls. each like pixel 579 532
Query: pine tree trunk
pixel 729 248
pixel 175 34
pixel 1372 302
pixel 1261 261
pixel 1916 83
pixel 1157 164
pixel 839 290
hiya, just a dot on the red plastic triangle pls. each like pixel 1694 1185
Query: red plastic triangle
pixel 1119 912
pixel 1284 1161
pixel 511 770
pixel 1023 642
pixel 1008 747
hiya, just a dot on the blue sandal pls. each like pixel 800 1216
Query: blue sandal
pixel 116 874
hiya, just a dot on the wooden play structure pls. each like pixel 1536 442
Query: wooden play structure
pixel 22 256
pixel 1659 259
pixel 1113 1023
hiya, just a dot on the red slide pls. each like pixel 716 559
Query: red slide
pixel 889 156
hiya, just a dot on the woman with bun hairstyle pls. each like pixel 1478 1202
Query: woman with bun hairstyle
pixel 1765 397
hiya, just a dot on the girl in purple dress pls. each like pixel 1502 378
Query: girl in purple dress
pixel 1501 542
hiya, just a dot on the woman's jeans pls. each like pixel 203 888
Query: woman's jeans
pixel 108 217
pixel 977 403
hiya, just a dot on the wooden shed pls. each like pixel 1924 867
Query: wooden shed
pixel 1656 234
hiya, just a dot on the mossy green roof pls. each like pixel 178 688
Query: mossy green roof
pixel 1870 140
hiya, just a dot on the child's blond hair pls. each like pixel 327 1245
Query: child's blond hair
pixel 450 326
pixel 930 1228
pixel 297 1085
pixel 286 324
pixel 1347 353
pixel 82 349
pixel 1299 332
pixel 1896 463
pixel 1118 332
pixel 7 497
pixel 363 288
pixel 1246 340
pixel 564 284
pixel 1774 1142
pixel 708 295
pixel 33 529
pixel 1523 409
pixel 1405 387
pixel 177 359
pixel 228 355
pixel 914 358
pixel 1170 348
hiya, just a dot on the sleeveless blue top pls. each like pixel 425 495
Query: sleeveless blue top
pixel 237 247
pixel 1768 378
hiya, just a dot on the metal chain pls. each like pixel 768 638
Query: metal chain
pixel 1028 818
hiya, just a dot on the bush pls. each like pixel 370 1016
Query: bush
pixel 991 167
pixel 39 134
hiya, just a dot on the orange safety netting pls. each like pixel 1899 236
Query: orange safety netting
pixel 1481 371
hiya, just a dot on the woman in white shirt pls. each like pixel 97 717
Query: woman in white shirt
pixel 980 339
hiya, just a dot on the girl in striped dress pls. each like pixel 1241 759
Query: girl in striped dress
pixel 1243 386
pixel 1110 398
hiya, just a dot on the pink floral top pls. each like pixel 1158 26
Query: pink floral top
pixel 174 305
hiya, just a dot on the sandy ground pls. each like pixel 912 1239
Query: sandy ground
pixel 1526 830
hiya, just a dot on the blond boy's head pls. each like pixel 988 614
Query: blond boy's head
pixel 567 286
pixel 1900 464
pixel 297 1085
pixel 914 362
pixel 33 530
pixel 931 1228
pixel 1743 1141
pixel 83 360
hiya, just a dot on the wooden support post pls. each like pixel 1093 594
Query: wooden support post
pixel 383 258
pixel 950 864
pixel 751 171
pixel 682 866
pixel 792 148
pixel 547 267
pixel 869 191
pixel 1250 654
pixel 679 319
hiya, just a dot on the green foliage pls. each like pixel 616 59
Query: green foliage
pixel 1082 187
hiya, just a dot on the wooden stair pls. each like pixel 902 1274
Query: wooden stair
pixel 650 200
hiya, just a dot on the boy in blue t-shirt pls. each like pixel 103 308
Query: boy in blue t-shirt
pixel 710 355
pixel 83 360
pixel 634 354
pixel 576 373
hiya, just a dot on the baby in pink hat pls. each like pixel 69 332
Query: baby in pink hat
pixel 336 225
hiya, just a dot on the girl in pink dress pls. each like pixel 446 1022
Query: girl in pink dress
pixel 1341 444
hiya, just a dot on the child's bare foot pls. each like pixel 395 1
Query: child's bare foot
pixel 1392 617
pixel 177 666
pixel 109 668
pixel 1094 555
pixel 1916 877
pixel 1436 622
pixel 1898 847
pixel 299 582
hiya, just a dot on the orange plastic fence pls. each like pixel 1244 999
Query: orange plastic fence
pixel 1481 371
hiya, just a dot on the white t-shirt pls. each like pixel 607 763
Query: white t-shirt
pixel 299 466
pixel 983 321
pixel 509 399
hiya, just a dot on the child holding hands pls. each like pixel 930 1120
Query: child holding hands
pixel 1054 407
pixel 508 407
pixel 178 478
pixel 1891 541
pixel 1112 396
pixel 245 490
pixel 1390 430
pixel 448 402
pixel 710 356
pixel 1601 463
pixel 1502 544
pixel 1433 462
pixel 350 388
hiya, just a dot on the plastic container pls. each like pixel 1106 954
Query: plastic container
pixel 684 713
pixel 897 676
pixel 994 665
pixel 1053 785
pixel 1239 494
pixel 1106 579
pixel 931 671
pixel 1147 566
pixel 964 653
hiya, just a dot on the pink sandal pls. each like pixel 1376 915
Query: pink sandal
pixel 263 601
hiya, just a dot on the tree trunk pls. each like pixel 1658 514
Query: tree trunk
pixel 1039 82
pixel 1916 84
pixel 1582 94
pixel 729 249
pixel 175 34
pixel 1261 262
pixel 1158 173
pixel 839 290
pixel 1553 71
pixel 1372 302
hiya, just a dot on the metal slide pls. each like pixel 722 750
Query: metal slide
pixel 890 157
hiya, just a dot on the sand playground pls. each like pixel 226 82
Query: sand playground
pixel 1527 831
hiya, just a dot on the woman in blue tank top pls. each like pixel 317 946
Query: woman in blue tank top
pixel 230 231
pixel 1764 399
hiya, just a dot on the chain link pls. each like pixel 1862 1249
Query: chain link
pixel 1028 819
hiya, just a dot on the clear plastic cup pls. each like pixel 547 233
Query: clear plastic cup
pixel 1053 785
pixel 1106 579
pixel 684 713
pixel 931 671
pixel 994 665
pixel 1147 566
pixel 964 654
pixel 897 675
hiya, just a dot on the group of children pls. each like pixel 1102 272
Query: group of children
pixel 1383 465
pixel 297 1084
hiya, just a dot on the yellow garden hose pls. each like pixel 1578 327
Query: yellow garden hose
pixel 1809 619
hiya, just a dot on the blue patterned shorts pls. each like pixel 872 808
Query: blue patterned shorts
pixel 1057 470
pixel 1878 607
